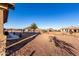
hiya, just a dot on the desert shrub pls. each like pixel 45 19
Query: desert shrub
pixel 44 31
pixel 6 33
pixel 71 32
pixel 20 35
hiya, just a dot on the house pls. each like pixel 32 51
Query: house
pixel 50 30
pixel 14 30
pixel 4 9
pixel 71 28
pixel 28 29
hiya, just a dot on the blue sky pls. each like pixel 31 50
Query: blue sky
pixel 45 15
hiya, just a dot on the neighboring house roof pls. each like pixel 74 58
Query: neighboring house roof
pixel 6 6
pixel 27 28
pixel 9 5
pixel 51 29
pixel 71 27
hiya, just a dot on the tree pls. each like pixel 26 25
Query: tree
pixel 33 26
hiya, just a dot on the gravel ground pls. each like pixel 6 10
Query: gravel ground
pixel 43 46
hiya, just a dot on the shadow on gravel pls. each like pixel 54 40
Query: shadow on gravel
pixel 32 53
pixel 63 45
pixel 13 49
